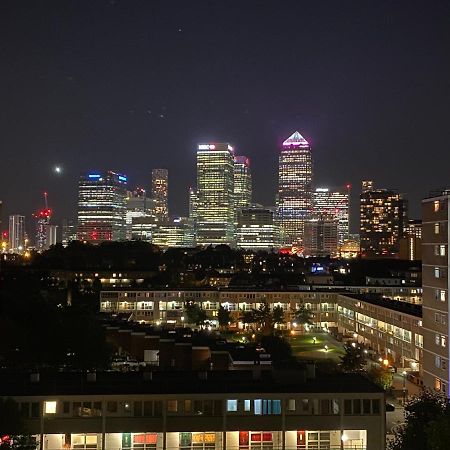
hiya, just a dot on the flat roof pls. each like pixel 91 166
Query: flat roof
pixel 183 382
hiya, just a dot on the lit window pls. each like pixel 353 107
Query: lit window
pixel 442 296
pixel 437 339
pixel 247 405
pixel 291 404
pixel 436 205
pixel 437 272
pixel 436 228
pixel 231 405
pixel 257 406
pixel 172 406
pixel 443 341
pixel 50 407
pixel 442 250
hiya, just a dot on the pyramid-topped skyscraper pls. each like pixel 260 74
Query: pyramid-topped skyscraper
pixel 294 188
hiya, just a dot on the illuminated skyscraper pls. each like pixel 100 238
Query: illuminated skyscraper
pixel 367 185
pixel 160 193
pixel 294 188
pixel 102 207
pixel 215 194
pixel 138 205
pixel 321 236
pixel 333 203
pixel 16 233
pixel 242 182
pixel 383 216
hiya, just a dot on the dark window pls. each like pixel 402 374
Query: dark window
pixel 148 409
pixel 375 406
pixel 25 409
pixel 187 406
pixel 217 407
pixel 35 409
pixel 325 406
pixel 137 409
pixel 111 407
pixel 87 405
pixel 76 408
pixel 198 407
pixel 208 407
pixel 366 406
pixel 347 406
pixel 357 406
pixel 66 407
pixel 98 406
pixel 158 409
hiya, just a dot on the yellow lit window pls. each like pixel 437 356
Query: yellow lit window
pixel 50 407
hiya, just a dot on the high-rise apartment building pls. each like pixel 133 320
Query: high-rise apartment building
pixel 411 242
pixel 160 193
pixel 295 173
pixel 102 207
pixel 383 216
pixel 367 185
pixel 215 194
pixel 334 203
pixel 257 229
pixel 435 282
pixel 51 236
pixel 242 182
pixel 321 236
pixel 16 233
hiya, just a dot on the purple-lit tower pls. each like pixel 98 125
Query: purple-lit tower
pixel 294 188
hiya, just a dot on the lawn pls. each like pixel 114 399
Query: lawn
pixel 312 346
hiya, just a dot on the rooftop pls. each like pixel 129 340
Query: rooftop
pixel 183 382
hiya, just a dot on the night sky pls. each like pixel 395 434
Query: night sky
pixel 134 85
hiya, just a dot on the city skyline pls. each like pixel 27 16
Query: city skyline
pixel 141 85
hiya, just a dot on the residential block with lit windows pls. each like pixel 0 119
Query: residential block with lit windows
pixel 169 410
pixel 435 283
pixel 390 328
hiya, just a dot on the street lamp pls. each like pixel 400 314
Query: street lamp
pixel 404 387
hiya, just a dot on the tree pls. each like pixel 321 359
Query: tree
pixel 382 377
pixel 303 316
pixel 278 315
pixel 247 317
pixel 264 318
pixel 12 427
pixel 279 348
pixel 194 313
pixel 224 317
pixel 353 360
pixel 427 424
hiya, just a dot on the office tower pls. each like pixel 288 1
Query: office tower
pixel 242 182
pixel 367 185
pixel 102 207
pixel 294 188
pixel 68 231
pixel 411 242
pixel 160 192
pixel 215 192
pixel 138 205
pixel 383 215
pixel 257 228
pixel 435 282
pixel 321 236
pixel 178 233
pixel 334 203
pixel 16 233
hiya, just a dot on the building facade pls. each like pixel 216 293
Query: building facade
pixel 235 410
pixel 215 211
pixel 102 207
pixel 294 198
pixel 321 236
pixel 335 203
pixel 257 229
pixel 242 182
pixel 383 216
pixel 177 233
pixel 16 234
pixel 138 206
pixel 411 242
pixel 392 329
pixel 435 283
pixel 160 193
